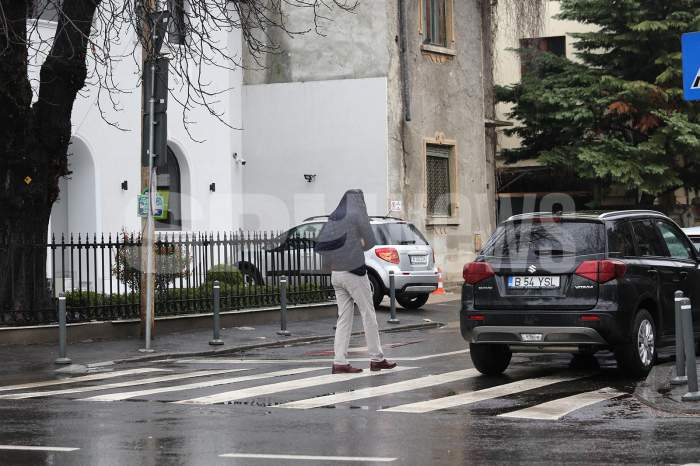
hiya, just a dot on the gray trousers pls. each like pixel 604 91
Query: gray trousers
pixel 351 289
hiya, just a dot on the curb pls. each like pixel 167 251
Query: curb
pixel 649 392
pixel 269 344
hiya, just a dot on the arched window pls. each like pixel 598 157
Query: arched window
pixel 169 187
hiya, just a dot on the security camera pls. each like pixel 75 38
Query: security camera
pixel 238 159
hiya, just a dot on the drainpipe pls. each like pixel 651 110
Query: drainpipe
pixel 405 90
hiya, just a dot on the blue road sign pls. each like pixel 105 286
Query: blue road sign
pixel 690 43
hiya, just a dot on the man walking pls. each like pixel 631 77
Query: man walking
pixel 342 244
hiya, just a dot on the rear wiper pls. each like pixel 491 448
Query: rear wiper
pixel 407 242
pixel 554 252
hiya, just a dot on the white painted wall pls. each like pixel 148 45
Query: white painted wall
pixel 78 206
pixel 335 129
pixel 115 154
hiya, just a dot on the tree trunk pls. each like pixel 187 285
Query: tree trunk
pixel 34 140
pixel 24 290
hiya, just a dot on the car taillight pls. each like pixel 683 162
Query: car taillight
pixel 601 271
pixel 474 272
pixel 388 254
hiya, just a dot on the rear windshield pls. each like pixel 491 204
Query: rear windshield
pixel 398 233
pixel 550 238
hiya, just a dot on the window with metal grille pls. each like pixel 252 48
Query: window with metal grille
pixel 435 22
pixel 438 180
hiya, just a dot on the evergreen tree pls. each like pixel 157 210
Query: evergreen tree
pixel 617 115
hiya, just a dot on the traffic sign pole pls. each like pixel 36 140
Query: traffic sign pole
pixel 157 22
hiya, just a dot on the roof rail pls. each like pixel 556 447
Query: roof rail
pixel 616 213
pixel 528 214
pixel 387 217
pixel 315 217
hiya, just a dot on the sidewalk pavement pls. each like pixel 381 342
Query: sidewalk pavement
pixel 657 391
pixel 22 360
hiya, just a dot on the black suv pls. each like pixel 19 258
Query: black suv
pixel 578 283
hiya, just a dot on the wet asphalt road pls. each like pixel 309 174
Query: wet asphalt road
pixel 149 429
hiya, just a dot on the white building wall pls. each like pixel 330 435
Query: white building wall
pixel 110 156
pixel 336 130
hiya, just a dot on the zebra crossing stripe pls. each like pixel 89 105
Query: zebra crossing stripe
pixel 194 386
pixel 305 361
pixel 556 409
pixel 109 386
pixel 285 386
pixel 37 448
pixel 82 378
pixel 479 395
pixel 406 385
pixel 352 459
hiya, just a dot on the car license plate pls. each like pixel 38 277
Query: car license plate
pixel 550 281
pixel 419 260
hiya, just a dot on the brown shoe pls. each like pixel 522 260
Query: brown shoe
pixel 383 364
pixel 345 369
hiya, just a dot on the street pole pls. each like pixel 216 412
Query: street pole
pixel 150 225
pixel 150 50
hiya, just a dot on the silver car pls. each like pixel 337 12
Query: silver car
pixel 694 234
pixel 400 247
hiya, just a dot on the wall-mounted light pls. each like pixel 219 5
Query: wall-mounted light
pixel 310 178
pixel 212 187
pixel 125 185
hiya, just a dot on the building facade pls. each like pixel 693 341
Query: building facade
pixel 526 186
pixel 392 98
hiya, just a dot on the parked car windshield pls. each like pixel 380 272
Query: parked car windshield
pixel 398 233
pixel 546 238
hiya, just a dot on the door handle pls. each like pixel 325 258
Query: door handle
pixel 652 271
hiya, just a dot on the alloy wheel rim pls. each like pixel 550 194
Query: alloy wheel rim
pixel 645 342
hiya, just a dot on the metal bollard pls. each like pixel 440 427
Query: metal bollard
pixel 283 308
pixel 680 378
pixel 62 359
pixel 216 292
pixel 689 341
pixel 392 298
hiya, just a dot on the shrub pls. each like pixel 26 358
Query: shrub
pixel 226 274
pixel 78 299
pixel 172 262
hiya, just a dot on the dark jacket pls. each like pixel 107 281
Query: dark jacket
pixel 347 235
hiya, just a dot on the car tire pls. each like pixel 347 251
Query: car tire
pixel 490 359
pixel 637 357
pixel 377 290
pixel 414 301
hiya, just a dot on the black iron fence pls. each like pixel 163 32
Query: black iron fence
pixel 100 275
